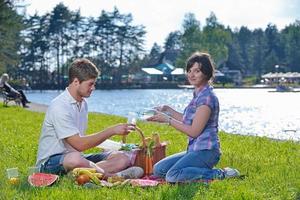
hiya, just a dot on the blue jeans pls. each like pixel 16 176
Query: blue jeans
pixel 189 166
pixel 54 165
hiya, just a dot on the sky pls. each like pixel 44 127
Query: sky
pixel 160 17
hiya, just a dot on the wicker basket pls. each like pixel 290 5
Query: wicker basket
pixel 159 152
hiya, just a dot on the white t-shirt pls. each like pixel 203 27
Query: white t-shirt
pixel 65 117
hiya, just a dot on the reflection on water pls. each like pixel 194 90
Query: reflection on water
pixel 242 111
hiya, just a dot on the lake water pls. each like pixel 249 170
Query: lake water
pixel 242 111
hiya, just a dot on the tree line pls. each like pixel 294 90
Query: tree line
pixel 40 47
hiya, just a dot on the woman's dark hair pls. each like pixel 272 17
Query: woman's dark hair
pixel 205 62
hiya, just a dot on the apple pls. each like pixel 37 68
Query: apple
pixel 82 179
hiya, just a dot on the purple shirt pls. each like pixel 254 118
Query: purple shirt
pixel 208 138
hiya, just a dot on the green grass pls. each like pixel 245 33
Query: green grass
pixel 272 168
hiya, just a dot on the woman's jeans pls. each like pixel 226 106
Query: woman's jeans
pixel 189 166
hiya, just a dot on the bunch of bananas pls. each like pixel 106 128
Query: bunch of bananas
pixel 84 175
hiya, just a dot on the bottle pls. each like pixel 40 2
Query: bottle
pixel 156 139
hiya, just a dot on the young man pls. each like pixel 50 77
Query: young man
pixel 63 134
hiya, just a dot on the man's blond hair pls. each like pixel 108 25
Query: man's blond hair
pixel 83 69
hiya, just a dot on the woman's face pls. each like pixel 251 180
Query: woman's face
pixel 195 76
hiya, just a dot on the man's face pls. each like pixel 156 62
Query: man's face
pixel 85 88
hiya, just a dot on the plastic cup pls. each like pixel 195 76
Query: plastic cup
pixel 12 173
pixel 131 118
pixel 32 170
pixel 146 113
pixel 13 176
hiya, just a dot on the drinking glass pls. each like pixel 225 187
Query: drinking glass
pixel 131 118
pixel 147 112
pixel 13 176
pixel 12 173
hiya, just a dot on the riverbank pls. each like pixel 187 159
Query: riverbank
pixel 34 107
pixel 271 167
pixel 162 85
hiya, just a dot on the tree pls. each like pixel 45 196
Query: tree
pixel 191 38
pixel 173 41
pixel 77 30
pixel 10 26
pixel 244 37
pixel 273 41
pixel 291 38
pixel 215 39
pixel 259 52
pixel 60 19
pixel 234 60
pixel 117 42
pixel 35 48
pixel 154 55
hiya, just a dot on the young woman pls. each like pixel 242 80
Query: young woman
pixel 200 123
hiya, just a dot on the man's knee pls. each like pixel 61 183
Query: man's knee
pixel 120 159
pixel 74 160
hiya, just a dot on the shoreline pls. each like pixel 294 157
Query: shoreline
pixel 170 86
pixel 36 107
pixel 42 108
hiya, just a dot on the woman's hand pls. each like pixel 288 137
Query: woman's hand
pixel 170 112
pixel 159 117
pixel 164 108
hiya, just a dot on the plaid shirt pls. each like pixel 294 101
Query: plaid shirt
pixel 208 138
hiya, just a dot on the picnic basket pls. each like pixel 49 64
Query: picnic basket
pixel 147 155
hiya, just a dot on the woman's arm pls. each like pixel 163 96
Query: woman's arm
pixel 201 118
pixel 171 112
pixel 199 122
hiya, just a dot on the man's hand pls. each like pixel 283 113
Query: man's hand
pixel 123 129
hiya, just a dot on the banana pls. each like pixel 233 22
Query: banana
pixel 92 176
pixel 99 175
pixel 117 183
pixel 76 171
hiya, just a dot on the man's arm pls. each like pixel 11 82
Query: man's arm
pixel 82 143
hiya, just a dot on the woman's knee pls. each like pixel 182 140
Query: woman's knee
pixel 172 176
pixel 159 170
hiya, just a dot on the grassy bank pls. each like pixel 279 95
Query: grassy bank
pixel 272 168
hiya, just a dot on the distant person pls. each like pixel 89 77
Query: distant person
pixel 25 84
pixel 13 92
pixel 63 138
pixel 199 122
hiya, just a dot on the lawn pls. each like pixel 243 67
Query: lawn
pixel 272 168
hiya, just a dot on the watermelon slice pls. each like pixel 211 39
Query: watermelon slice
pixel 42 179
